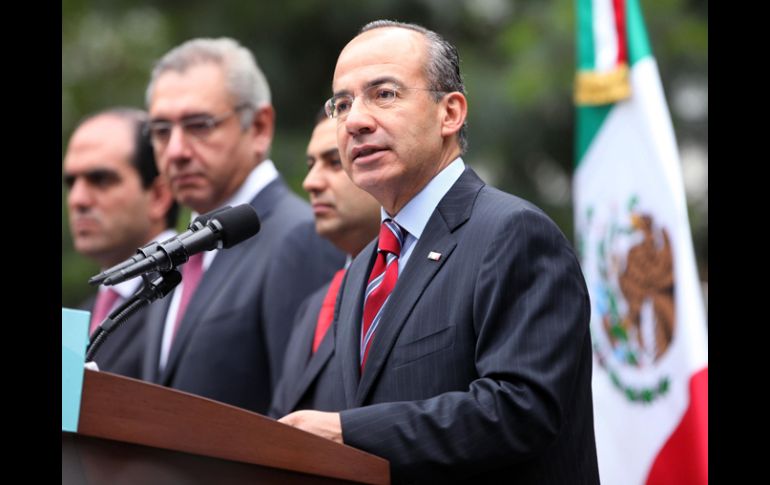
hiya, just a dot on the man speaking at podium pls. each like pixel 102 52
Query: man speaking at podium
pixel 462 333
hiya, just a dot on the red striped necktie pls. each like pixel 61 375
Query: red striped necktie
pixel 382 280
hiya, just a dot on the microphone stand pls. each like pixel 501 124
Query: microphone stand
pixel 151 290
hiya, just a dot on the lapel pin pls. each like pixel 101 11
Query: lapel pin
pixel 434 256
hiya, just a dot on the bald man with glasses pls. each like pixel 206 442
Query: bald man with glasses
pixel 462 332
pixel 223 332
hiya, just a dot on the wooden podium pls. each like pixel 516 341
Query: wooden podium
pixel 131 431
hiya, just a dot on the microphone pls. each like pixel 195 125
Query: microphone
pixel 145 251
pixel 222 231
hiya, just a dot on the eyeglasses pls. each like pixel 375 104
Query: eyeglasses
pixel 196 126
pixel 380 95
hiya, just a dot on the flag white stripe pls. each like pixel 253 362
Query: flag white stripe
pixel 605 36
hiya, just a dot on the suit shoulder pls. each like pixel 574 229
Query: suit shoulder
pixel 493 202
pixel 508 203
pixel 290 219
pixel 500 216
pixel 303 238
pixel 291 206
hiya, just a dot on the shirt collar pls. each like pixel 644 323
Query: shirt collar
pixel 415 214
pixel 259 177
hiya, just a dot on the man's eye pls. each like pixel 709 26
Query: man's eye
pixel 160 131
pixel 99 179
pixel 342 106
pixel 384 94
pixel 102 179
pixel 197 127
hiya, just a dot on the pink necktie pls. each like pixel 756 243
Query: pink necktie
pixel 105 300
pixel 191 276
pixel 381 282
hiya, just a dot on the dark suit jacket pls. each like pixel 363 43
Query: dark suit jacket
pixel 309 381
pixel 123 350
pixel 480 369
pixel 231 341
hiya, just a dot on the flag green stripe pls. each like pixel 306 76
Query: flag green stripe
pixel 638 42
pixel 585 35
pixel 589 120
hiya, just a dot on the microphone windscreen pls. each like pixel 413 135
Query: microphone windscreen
pixel 238 224
pixel 204 219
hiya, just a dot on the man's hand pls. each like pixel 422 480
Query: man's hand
pixel 325 425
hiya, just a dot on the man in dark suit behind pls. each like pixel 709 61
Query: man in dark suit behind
pixel 211 124
pixel 475 360
pixel 116 203
pixel 349 218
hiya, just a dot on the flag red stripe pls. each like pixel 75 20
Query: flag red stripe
pixel 619 8
pixel 684 457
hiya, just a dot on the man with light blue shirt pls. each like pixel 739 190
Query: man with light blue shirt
pixel 223 332
pixel 462 332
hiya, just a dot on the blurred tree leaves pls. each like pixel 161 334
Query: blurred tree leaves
pixel 518 59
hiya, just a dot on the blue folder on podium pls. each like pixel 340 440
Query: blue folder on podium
pixel 74 339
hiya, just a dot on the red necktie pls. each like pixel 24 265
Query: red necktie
pixel 381 282
pixel 105 300
pixel 326 314
pixel 191 276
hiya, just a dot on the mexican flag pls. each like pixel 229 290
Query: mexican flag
pixel 648 325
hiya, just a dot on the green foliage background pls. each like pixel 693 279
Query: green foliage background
pixel 518 59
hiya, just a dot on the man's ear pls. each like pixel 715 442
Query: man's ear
pixel 161 199
pixel 262 127
pixel 454 113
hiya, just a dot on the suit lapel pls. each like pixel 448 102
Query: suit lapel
pixel 314 366
pixel 215 277
pixel 349 321
pixel 224 265
pixel 411 283
pixel 453 210
pixel 156 321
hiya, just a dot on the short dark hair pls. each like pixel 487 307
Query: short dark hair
pixel 321 116
pixel 442 70
pixel 143 159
